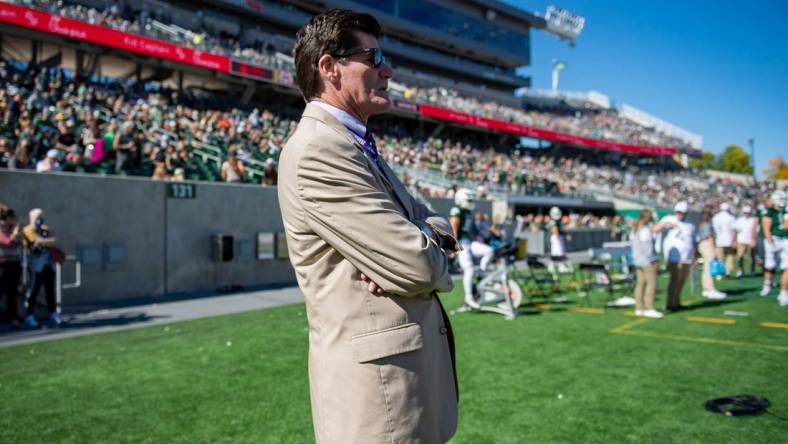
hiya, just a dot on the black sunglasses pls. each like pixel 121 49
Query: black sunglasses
pixel 377 55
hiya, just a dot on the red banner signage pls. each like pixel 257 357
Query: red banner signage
pixel 538 133
pixel 75 29
pixel 251 71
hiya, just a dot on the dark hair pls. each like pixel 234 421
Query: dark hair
pixel 6 212
pixel 331 32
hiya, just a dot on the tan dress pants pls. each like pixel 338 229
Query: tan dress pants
pixel 645 286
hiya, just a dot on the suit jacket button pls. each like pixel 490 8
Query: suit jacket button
pixel 443 330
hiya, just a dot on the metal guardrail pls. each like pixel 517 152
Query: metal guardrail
pixel 436 178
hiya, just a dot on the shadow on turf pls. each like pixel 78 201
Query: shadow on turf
pixel 708 303
pixel 737 291
pixel 123 319
pixel 7 331
pixel 174 297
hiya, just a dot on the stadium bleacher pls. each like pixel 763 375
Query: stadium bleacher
pixel 183 133
pixel 598 124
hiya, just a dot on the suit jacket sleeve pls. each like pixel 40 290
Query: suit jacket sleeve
pixel 423 216
pixel 345 207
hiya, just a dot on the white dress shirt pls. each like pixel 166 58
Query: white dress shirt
pixel 722 224
pixel 745 226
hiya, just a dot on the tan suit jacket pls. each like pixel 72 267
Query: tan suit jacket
pixel 380 366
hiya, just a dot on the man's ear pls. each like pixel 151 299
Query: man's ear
pixel 328 68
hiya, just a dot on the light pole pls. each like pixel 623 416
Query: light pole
pixel 751 142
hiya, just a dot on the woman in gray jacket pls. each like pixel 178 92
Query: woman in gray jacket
pixel 641 239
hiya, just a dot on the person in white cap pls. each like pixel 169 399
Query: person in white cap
pixel 775 233
pixel 746 226
pixel 49 163
pixel 679 251
pixel 724 236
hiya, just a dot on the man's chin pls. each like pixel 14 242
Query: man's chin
pixel 379 105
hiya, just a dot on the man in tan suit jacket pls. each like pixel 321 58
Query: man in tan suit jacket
pixel 369 258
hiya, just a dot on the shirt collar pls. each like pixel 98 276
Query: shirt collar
pixel 345 118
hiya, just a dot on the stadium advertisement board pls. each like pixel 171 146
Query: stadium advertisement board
pixel 252 71
pixel 538 133
pixel 75 29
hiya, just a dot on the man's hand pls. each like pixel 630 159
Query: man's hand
pixel 371 286
pixel 444 240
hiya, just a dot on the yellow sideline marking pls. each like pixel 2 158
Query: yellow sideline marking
pixel 706 340
pixel 589 310
pixel 628 325
pixel 704 320
pixel 773 325
pixel 626 330
pixel 630 314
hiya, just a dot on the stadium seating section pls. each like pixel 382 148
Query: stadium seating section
pixel 188 132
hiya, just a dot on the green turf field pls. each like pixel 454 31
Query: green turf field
pixel 554 375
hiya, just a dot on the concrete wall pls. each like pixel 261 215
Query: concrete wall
pixel 585 238
pixel 135 242
pixel 442 206
pixel 582 239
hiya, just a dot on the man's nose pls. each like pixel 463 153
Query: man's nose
pixel 386 71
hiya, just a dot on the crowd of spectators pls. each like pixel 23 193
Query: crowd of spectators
pixel 513 172
pixel 53 122
pixel 460 161
pixel 598 124
pixel 146 22
pixel 535 222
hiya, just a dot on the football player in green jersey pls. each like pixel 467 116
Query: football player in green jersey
pixel 775 233
pixel 461 220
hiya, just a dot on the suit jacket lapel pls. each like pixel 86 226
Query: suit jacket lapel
pixel 392 186
pixel 399 189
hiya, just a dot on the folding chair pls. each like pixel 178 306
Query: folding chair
pixel 542 283
pixel 595 276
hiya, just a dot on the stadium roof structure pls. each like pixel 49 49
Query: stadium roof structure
pixel 210 63
pixel 419 30
pixel 516 13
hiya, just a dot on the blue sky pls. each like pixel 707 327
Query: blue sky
pixel 718 69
